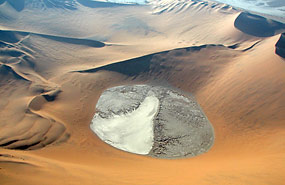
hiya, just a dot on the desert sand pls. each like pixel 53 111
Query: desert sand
pixel 57 59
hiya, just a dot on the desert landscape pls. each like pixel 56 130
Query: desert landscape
pixel 158 92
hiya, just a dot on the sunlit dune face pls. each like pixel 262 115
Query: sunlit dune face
pixel 154 121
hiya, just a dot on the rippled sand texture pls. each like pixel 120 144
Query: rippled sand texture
pixel 57 59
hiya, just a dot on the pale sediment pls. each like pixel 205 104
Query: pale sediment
pixel 152 120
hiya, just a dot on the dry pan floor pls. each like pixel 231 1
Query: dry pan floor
pixel 152 120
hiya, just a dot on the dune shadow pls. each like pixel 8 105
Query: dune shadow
pixel 85 42
pixel 132 67
pixel 280 46
pixel 15 36
pixel 143 64
pixel 258 26
pixel 7 70
pixel 10 36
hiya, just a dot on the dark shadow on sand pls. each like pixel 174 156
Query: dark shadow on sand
pixel 143 64
pixel 14 37
pixel 280 46
pixel 258 26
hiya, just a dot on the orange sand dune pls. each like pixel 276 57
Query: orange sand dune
pixel 248 149
pixel 50 84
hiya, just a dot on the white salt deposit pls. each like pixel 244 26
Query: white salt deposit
pixel 152 120
pixel 132 132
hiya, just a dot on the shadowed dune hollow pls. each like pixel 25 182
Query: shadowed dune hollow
pixel 258 26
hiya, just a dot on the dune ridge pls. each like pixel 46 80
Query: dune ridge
pixel 31 129
pixel 70 5
pixel 258 26
pixel 177 6
pixel 12 38
pixel 227 62
pixel 28 129
pixel 147 62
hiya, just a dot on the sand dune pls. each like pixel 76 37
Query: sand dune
pixel 152 63
pixel 26 129
pixel 13 37
pixel 258 26
pixel 54 67
pixel 62 4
